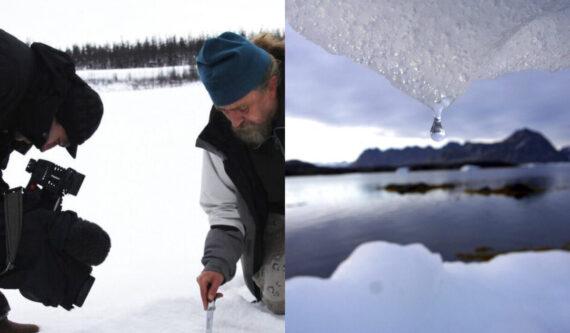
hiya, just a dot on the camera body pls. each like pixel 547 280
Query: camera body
pixel 53 181
pixel 53 178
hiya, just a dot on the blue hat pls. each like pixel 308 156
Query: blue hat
pixel 230 67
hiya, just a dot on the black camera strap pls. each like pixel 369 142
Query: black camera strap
pixel 13 221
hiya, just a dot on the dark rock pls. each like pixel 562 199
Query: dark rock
pixel 485 253
pixel 417 187
pixel 300 168
pixel 516 190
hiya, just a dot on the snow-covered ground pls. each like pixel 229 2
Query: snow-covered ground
pixel 142 186
pixel 384 287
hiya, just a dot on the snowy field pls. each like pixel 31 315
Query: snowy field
pixel 386 287
pixel 142 186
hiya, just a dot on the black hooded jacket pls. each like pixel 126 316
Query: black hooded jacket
pixel 17 65
pixel 33 85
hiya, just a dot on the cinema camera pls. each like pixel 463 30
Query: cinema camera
pixel 53 180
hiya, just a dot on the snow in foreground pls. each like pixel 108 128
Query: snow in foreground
pixel 384 287
pixel 142 186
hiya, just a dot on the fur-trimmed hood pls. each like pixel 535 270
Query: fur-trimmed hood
pixel 272 44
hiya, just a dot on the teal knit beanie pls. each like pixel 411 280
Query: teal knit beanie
pixel 230 67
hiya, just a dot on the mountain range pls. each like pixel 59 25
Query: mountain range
pixel 523 146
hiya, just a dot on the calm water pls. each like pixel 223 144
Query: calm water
pixel 328 216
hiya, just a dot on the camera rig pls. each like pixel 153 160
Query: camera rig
pixel 53 180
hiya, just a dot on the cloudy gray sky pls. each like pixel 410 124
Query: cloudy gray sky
pixel 64 22
pixel 337 108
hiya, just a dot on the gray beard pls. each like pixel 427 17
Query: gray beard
pixel 253 134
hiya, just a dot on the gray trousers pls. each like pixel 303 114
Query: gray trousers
pixel 271 277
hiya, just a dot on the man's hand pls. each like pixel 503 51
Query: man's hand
pixel 209 283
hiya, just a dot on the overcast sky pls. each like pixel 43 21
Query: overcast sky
pixel 337 108
pixel 64 22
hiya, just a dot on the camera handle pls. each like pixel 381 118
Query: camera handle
pixel 57 200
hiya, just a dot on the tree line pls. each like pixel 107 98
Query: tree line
pixel 150 52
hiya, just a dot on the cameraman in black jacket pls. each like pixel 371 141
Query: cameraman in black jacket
pixel 45 104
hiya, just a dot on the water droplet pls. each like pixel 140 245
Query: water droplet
pixel 437 131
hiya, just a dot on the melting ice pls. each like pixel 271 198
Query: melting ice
pixel 433 49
